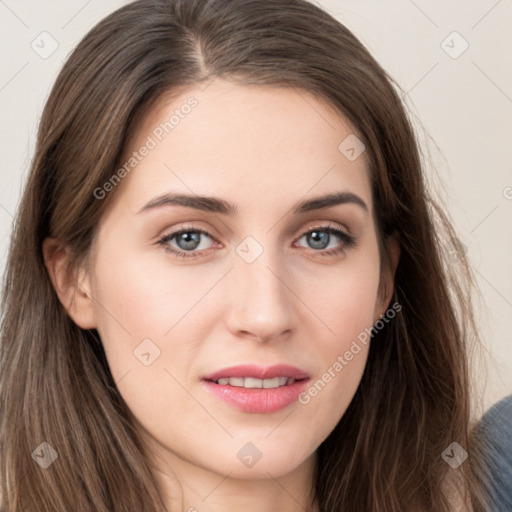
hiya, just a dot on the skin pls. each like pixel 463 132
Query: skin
pixel 262 149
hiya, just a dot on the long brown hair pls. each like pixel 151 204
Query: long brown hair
pixel 55 385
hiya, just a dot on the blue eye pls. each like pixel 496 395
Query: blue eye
pixel 320 237
pixel 188 239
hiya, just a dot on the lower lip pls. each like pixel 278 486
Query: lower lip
pixel 258 400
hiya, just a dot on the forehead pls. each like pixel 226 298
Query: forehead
pixel 259 147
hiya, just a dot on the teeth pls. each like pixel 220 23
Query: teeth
pixel 251 382
pixel 274 383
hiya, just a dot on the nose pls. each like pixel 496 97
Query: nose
pixel 261 302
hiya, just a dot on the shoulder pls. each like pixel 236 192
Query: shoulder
pixel 495 430
pixel 499 416
pixel 494 435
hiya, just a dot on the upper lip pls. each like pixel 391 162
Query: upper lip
pixel 258 372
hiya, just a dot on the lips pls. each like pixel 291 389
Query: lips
pixel 256 389
pixel 258 372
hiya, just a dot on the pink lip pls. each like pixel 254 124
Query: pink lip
pixel 258 400
pixel 259 372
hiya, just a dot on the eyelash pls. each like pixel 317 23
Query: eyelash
pixel 348 241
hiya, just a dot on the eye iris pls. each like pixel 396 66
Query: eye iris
pixel 314 236
pixel 189 238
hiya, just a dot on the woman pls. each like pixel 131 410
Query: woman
pixel 226 285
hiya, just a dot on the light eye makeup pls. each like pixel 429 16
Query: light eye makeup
pixel 315 236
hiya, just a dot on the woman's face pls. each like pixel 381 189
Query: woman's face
pixel 257 280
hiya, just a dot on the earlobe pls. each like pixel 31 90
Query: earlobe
pixel 71 285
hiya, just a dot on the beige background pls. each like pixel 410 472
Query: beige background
pixel 463 100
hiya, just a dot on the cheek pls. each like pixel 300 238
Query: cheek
pixel 345 303
pixel 137 300
pixel 147 323
pixel 344 297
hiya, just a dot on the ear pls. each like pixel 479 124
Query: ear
pixel 387 283
pixel 71 285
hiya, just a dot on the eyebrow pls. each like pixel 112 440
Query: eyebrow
pixel 220 206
